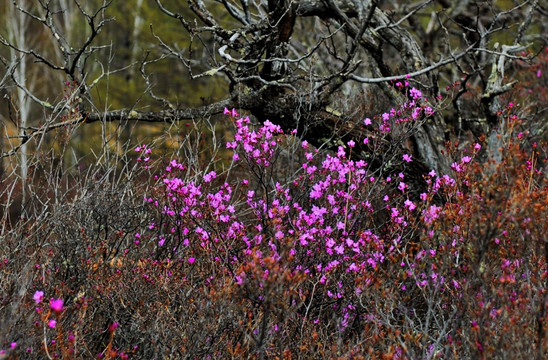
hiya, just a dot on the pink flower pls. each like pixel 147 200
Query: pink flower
pixel 52 323
pixel 410 205
pixel 191 260
pixel 56 305
pixel 456 167
pixel 477 146
pixel 431 213
pixel 415 93
pixel 210 176
pixel 407 157
pixel 539 73
pixel 38 296
pixel 351 143
pixel 113 326
pixel 367 121
pixel 231 145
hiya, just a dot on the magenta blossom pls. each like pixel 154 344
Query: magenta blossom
pixel 38 296
pixel 232 112
pixel 56 305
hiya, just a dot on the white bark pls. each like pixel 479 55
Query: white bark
pixel 137 23
pixel 17 26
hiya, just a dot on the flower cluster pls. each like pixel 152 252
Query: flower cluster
pixel 257 247
pixel 322 229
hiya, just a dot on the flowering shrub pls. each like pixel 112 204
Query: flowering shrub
pixel 334 260
pixel 338 250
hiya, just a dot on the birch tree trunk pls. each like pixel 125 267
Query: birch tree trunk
pixel 17 25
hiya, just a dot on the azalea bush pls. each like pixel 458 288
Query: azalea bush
pixel 277 249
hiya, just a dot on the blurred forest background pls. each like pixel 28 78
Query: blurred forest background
pixel 112 65
pixel 141 59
